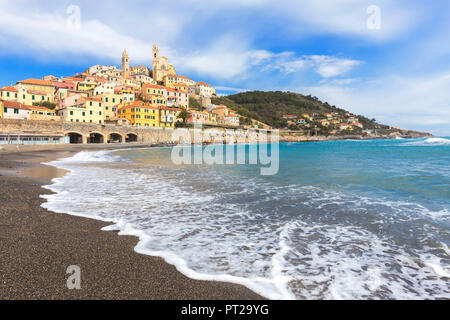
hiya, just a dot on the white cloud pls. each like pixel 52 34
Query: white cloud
pixel 228 56
pixel 413 103
pixel 330 66
pixel 325 66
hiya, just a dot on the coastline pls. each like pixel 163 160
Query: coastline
pixel 38 245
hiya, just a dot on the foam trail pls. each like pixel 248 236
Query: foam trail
pixel 283 241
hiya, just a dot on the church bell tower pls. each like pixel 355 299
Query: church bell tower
pixel 125 64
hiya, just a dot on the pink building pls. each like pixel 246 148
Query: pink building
pixel 179 98
pixel 198 117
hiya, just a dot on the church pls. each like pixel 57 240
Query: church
pixel 161 66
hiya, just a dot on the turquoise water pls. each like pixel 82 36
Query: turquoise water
pixel 340 220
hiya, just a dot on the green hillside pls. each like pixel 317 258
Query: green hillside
pixel 269 107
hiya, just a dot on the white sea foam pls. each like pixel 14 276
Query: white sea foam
pixel 429 142
pixel 214 227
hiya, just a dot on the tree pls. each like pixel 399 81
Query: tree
pixel 193 103
pixel 45 104
pixel 184 115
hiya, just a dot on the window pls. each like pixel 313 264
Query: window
pixel 5 110
pixel 43 98
pixel 90 112
pixel 16 111
pixel 32 97
pixel 7 94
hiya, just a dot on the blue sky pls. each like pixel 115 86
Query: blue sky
pixel 398 73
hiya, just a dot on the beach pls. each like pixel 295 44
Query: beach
pixel 37 245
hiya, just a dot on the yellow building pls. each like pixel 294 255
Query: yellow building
pixel 38 85
pixel 168 116
pixel 28 96
pixel 86 86
pixel 139 113
pixel 86 109
pixel 155 95
pixel 9 94
pixel 42 113
pixel 212 118
pixel 171 80
pixel 110 103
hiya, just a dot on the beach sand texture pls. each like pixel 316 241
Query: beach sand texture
pixel 37 246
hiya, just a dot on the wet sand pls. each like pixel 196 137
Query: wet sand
pixel 37 246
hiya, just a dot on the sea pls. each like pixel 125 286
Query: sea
pixel 363 219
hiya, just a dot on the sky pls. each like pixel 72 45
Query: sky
pixel 388 60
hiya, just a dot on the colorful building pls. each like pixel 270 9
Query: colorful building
pixel 179 98
pixel 38 85
pixel 161 66
pixel 110 103
pixel 89 110
pixel 168 116
pixel 9 94
pixel 15 110
pixel 204 90
pixel 139 113
pixel 42 113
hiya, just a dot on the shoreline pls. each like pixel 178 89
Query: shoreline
pixel 38 245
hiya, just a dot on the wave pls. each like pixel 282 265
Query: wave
pixel 283 242
pixel 429 142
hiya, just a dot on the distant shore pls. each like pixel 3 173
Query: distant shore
pixel 38 245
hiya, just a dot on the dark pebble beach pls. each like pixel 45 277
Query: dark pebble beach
pixel 37 246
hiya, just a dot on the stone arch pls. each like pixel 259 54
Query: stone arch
pixel 131 137
pixel 115 137
pixel 75 137
pixel 96 137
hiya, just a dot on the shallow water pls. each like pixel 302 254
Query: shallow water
pixel 340 220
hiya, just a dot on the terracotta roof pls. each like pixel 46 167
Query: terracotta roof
pixel 16 105
pixel 184 77
pixel 138 104
pixel 8 89
pixel 91 99
pixel 37 82
pixel 153 86
pixel 202 84
pixel 63 84
pixel 168 108
pixel 41 108
pixel 75 78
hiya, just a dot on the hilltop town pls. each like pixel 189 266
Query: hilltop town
pixel 137 96
pixel 131 96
